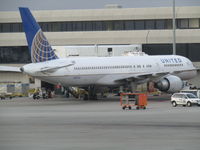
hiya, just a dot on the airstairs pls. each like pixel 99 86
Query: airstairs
pixel 76 92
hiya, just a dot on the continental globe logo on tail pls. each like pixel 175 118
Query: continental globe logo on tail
pixel 171 60
pixel 40 49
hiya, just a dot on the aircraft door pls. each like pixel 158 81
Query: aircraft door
pixel 132 68
pixel 158 67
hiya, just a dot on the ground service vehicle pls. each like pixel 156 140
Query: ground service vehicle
pixel 184 99
pixel 127 100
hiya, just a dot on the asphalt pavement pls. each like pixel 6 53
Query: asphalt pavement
pixel 70 124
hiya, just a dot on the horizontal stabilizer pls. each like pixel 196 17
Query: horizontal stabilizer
pixel 9 69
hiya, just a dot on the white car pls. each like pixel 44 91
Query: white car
pixel 185 99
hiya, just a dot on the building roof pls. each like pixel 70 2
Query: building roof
pixel 104 14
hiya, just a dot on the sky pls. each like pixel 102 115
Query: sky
pixel 12 5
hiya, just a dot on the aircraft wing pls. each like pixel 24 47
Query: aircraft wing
pixel 142 76
pixel 9 69
pixel 187 70
pixel 155 76
pixel 124 78
pixel 50 69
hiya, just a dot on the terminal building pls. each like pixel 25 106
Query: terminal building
pixel 151 28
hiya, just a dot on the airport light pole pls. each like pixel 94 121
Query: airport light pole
pixel 174 29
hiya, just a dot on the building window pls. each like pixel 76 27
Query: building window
pixel 128 25
pixel 193 51
pixel 16 27
pixel 157 49
pixel 56 26
pixel 45 26
pixel 194 23
pixel 109 25
pixel 87 26
pixel 160 24
pixel 99 26
pixel 168 24
pixel 63 26
pixel 149 24
pixel 189 50
pixel 69 26
pixel 6 27
pixel 183 24
pixel 139 25
pixel 118 25
pixel 106 25
pixel 77 26
pixel 14 54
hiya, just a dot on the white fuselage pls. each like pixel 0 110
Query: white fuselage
pixel 83 71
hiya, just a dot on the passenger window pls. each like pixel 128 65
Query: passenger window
pixel 183 96
pixel 176 96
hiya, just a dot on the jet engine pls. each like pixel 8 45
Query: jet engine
pixel 170 84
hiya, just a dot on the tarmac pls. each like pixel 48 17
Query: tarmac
pixel 70 124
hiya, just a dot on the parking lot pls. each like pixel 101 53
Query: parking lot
pixel 70 124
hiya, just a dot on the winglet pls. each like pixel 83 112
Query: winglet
pixel 39 47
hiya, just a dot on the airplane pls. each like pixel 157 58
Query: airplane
pixel 168 72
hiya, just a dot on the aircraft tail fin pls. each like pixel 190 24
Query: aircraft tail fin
pixel 39 47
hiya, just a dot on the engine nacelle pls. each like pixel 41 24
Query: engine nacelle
pixel 170 84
